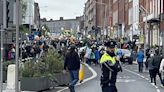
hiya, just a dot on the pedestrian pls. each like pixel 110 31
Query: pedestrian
pixel 87 54
pixel 147 57
pixel 161 69
pixel 156 64
pixel 92 57
pixel 97 56
pixel 151 68
pixel 72 63
pixel 110 67
pixel 140 58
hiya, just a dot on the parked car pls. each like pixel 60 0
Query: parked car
pixel 126 56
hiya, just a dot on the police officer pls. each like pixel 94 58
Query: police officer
pixel 110 67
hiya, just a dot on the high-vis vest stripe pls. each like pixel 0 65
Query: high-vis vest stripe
pixel 106 58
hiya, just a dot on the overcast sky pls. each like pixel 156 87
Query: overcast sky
pixel 61 8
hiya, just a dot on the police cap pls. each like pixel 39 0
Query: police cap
pixel 110 44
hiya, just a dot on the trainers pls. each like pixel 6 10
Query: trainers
pixel 153 84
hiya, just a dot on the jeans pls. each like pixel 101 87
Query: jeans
pixel 74 75
pixel 140 67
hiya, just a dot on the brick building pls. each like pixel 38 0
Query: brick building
pixel 98 13
pixel 124 18
pixel 153 34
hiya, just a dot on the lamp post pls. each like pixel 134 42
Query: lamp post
pixel 2 48
pixel 1 73
pixel 17 47
pixel 143 10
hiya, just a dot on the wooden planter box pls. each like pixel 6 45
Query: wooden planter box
pixel 62 79
pixel 35 84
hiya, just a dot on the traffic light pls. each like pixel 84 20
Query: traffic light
pixel 7 13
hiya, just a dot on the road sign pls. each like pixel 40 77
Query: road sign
pixel 31 37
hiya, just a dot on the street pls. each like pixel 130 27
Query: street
pixel 128 81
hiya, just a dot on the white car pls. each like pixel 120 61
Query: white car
pixel 126 56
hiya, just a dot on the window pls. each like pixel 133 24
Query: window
pixel 114 1
pixel 130 16
pixel 130 0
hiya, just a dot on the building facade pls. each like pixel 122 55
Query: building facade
pixel 29 14
pixel 154 9
pixel 126 18
pixel 58 26
pixel 98 14
pixel 37 23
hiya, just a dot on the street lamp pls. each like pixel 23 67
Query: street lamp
pixel 17 47
pixel 144 11
pixel 2 29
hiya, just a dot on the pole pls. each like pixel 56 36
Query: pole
pixel 145 35
pixel 163 42
pixel 17 47
pixel 1 77
pixel 106 21
pixel 2 29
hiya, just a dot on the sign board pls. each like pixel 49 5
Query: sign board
pixel 135 37
pixel 31 37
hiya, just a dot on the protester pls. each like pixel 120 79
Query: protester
pixel 151 68
pixel 87 55
pixel 140 58
pixel 72 63
pixel 97 56
pixel 156 64
pixel 161 69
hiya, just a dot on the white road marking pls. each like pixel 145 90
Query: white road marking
pixel 126 81
pixel 142 77
pixel 94 75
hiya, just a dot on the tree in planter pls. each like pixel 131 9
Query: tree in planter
pixel 54 61
pixel 55 64
pixel 34 76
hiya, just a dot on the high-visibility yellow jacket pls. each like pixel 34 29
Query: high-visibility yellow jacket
pixel 109 74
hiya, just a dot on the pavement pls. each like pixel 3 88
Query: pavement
pixel 130 80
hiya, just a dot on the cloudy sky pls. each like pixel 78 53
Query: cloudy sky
pixel 61 8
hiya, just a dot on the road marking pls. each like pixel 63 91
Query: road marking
pixel 147 79
pixel 94 75
pixel 126 81
pixel 142 77
pixel 158 90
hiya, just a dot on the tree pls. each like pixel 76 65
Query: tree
pixel 23 29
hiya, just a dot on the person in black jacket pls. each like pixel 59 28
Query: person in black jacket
pixel 156 64
pixel 72 63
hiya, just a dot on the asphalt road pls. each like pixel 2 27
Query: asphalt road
pixel 128 81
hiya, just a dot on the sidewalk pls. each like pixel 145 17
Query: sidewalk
pixel 88 74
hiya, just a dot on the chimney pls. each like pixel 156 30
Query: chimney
pixel 61 18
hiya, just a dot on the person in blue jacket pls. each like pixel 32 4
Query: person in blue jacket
pixel 140 58
pixel 97 56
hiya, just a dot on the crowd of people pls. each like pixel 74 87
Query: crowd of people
pixel 154 63
pixel 98 54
